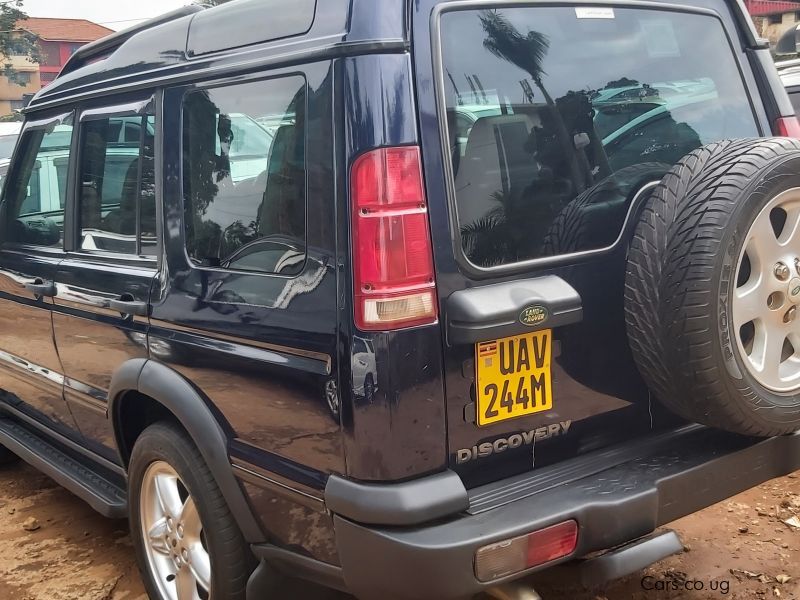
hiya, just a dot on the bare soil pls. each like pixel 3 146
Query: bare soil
pixel 741 548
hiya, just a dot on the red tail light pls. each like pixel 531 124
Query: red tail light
pixel 392 254
pixel 787 127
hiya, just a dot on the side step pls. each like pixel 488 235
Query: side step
pixel 105 496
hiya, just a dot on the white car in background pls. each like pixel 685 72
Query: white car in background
pixel 9 134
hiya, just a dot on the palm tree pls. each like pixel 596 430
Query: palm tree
pixel 528 53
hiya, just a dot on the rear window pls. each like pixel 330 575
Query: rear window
pixel 556 116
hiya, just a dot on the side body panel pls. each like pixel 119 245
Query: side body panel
pixel 395 427
pixel 261 348
pixel 31 375
pixel 93 340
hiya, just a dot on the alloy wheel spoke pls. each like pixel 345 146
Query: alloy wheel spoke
pixel 749 302
pixel 200 565
pixel 168 496
pixel 157 538
pixel 770 349
pixel 791 228
pixel 186 585
pixel 190 519
pixel 762 245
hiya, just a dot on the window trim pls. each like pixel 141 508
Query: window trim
pixel 227 82
pixel 465 264
pixel 147 106
pixel 55 118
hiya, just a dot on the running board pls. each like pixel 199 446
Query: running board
pixel 102 494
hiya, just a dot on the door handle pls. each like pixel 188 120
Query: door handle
pixel 40 287
pixel 130 307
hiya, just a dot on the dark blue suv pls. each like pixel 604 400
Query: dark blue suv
pixel 410 299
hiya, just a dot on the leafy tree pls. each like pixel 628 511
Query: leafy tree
pixel 14 42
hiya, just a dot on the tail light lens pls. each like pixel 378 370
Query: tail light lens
pixel 787 127
pixel 517 554
pixel 392 254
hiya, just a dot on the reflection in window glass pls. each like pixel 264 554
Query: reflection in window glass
pixel 116 197
pixel 554 121
pixel 244 176
pixel 37 192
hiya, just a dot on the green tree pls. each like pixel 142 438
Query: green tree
pixel 14 42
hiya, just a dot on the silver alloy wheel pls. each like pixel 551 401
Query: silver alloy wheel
pixel 173 536
pixel 764 304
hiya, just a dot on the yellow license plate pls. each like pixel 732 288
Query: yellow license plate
pixel 513 376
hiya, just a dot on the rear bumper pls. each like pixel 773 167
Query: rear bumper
pixel 690 469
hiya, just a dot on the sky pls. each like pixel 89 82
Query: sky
pixel 114 14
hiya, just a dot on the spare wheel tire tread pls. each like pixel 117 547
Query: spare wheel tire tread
pixel 668 294
pixel 644 271
pixel 690 258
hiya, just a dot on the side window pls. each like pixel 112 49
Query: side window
pixel 37 191
pixel 116 195
pixel 244 176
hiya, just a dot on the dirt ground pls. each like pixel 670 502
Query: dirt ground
pixel 741 548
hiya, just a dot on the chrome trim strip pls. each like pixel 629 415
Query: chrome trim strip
pixel 247 473
pixel 17 363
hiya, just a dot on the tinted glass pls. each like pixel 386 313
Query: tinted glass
pixel 555 119
pixel 244 185
pixel 116 196
pixel 36 194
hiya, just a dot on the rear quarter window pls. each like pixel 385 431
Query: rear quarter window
pixel 555 120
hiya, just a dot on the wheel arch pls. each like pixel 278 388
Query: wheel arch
pixel 168 395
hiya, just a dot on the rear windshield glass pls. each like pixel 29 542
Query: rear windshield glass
pixel 556 116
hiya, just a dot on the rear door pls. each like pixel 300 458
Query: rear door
pixel 555 123
pixel 31 374
pixel 101 309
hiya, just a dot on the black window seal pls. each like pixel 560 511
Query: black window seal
pixel 465 264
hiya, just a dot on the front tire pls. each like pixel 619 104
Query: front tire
pixel 187 543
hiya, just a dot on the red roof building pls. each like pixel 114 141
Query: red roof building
pixel 58 39
pixel 758 8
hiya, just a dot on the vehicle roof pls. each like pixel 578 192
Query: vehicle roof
pixel 194 42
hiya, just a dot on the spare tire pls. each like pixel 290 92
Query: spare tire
pixel 712 286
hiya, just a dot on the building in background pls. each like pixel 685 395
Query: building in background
pixel 11 94
pixel 773 17
pixel 58 40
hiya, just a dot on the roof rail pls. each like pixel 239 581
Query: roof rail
pixel 111 42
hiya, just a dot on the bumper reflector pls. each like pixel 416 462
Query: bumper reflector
pixel 517 554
